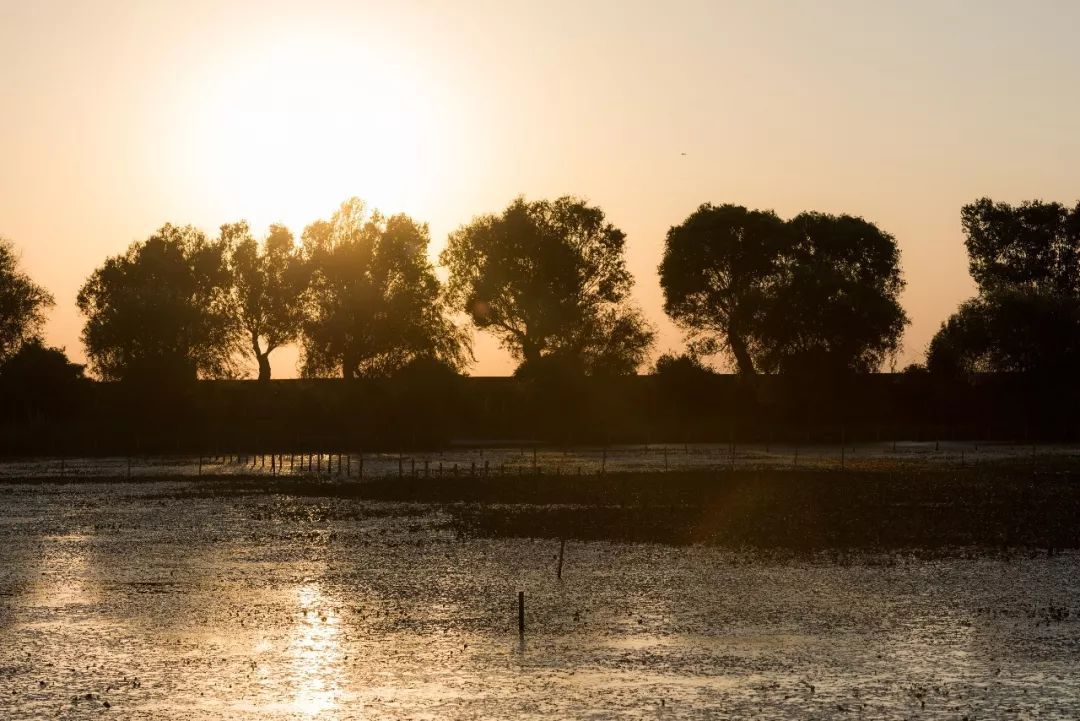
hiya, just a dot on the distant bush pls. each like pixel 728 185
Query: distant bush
pixel 40 382
pixel 679 365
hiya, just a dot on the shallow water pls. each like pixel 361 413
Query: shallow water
pixel 169 604
pixel 504 460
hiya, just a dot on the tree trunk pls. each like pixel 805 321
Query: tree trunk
pixel 348 368
pixel 264 366
pixel 262 357
pixel 530 352
pixel 743 361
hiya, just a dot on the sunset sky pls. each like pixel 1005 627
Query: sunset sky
pixel 116 117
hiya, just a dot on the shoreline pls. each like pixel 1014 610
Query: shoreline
pixel 1000 505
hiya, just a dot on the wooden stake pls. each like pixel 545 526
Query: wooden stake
pixel 521 613
pixel 562 550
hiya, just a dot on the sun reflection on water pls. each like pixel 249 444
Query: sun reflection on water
pixel 315 652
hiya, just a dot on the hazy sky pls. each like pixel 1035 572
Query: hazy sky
pixel 116 117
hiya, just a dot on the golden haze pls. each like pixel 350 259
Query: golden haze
pixel 119 116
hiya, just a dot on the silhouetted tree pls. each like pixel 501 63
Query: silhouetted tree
pixel 835 307
pixel 267 289
pixel 1009 330
pixel 719 273
pixel 1026 318
pixel 682 382
pixel 548 278
pixel 23 304
pixel 161 311
pixel 38 381
pixel 1032 245
pixel 375 303
pixel 818 293
pixel 682 364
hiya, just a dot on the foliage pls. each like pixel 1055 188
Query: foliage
pixel 718 273
pixel 161 311
pixel 549 278
pixel 836 304
pixel 1026 318
pixel 682 380
pixel 1032 245
pixel 915 369
pixel 818 293
pixel 39 365
pixel 1009 330
pixel 23 304
pixel 375 302
pixel 268 285
pixel 682 364
pixel 554 368
pixel 40 380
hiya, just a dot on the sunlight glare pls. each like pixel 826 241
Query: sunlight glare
pixel 316 653
pixel 284 132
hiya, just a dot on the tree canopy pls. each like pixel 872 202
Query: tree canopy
pixel 23 304
pixel 267 289
pixel 818 293
pixel 39 381
pixel 375 302
pixel 548 278
pixel 1031 245
pixel 1025 260
pixel 836 304
pixel 719 271
pixel 161 311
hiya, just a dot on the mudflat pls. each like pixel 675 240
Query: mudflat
pixel 239 599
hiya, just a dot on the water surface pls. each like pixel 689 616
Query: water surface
pixel 166 601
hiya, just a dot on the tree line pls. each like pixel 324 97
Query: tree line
pixel 813 295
